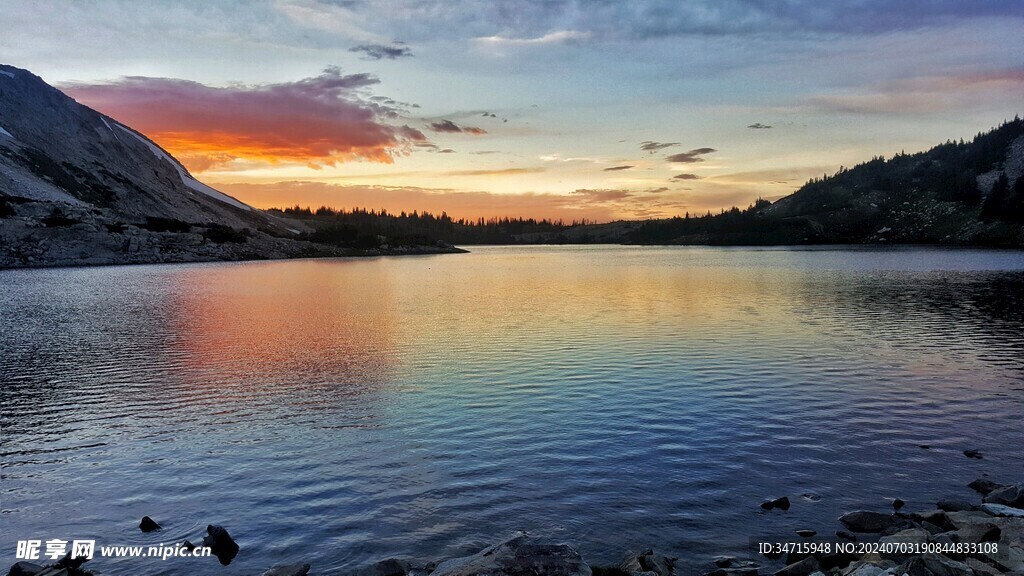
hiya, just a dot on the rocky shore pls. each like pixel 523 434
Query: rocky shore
pixel 956 538
pixel 35 234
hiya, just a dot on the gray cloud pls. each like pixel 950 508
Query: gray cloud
pixel 759 126
pixel 381 52
pixel 453 128
pixel 686 177
pixel 652 147
pixel 617 168
pixel 690 157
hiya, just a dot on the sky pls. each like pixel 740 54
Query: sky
pixel 534 108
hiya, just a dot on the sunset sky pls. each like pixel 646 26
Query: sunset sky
pixel 542 108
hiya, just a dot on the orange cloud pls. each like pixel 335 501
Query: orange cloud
pixel 320 120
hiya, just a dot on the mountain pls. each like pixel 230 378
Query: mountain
pixel 79 187
pixel 957 193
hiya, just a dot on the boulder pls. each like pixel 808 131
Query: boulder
pixel 148 524
pixel 25 569
pixel 1002 510
pixel 805 533
pixel 973 454
pixel 519 555
pixel 389 567
pixel 780 503
pixel 736 568
pixel 846 535
pixel 802 568
pixel 983 486
pixel 288 570
pixel 220 543
pixel 1007 496
pixel 935 565
pixel 897 504
pixel 864 521
pixel 936 518
pixel 976 533
pixel 911 536
pixel 955 506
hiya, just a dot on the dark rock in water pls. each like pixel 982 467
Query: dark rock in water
pixel 389 567
pixel 288 570
pixel 71 564
pixel 780 503
pixel 724 561
pixel 802 568
pixel 846 535
pixel 148 524
pixel 25 569
pixel 1007 496
pixel 924 446
pixel 897 504
pixel 828 561
pixel 983 486
pixel 973 454
pixel 648 561
pixel 519 555
pixel 934 565
pixel 864 521
pixel 736 568
pixel 805 533
pixel 956 506
pixel 220 543
pixel 188 545
pixel 602 571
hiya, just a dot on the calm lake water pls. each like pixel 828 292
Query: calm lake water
pixel 343 411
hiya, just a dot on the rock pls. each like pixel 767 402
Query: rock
pixel 25 569
pixel 983 486
pixel 911 536
pixel 864 521
pixel 1002 510
pixel 724 561
pixel 935 565
pixel 389 567
pixel 1007 496
pixel 846 535
pixel 288 570
pixel 220 543
pixel 935 517
pixel 806 533
pixel 862 569
pixel 977 533
pixel 973 454
pixel 740 568
pixel 924 446
pixel 955 506
pixel 980 568
pixel 519 555
pixel 802 568
pixel 897 504
pixel 780 503
pixel 647 561
pixel 148 524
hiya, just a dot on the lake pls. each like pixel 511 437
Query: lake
pixel 343 411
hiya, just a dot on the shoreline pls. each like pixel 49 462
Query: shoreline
pixel 956 538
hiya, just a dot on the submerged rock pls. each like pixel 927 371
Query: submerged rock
pixel 519 555
pixel 288 570
pixel 983 486
pixel 806 533
pixel 25 569
pixel 389 567
pixel 647 562
pixel 780 503
pixel 973 454
pixel 865 521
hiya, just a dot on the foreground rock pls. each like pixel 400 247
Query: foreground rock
pixel 519 555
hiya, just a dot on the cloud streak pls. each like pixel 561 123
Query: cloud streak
pixel 382 52
pixel 317 121
pixel 690 157
pixel 450 127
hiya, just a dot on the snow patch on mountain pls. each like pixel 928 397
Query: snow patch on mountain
pixel 186 178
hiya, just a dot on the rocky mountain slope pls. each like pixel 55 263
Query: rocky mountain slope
pixel 78 187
